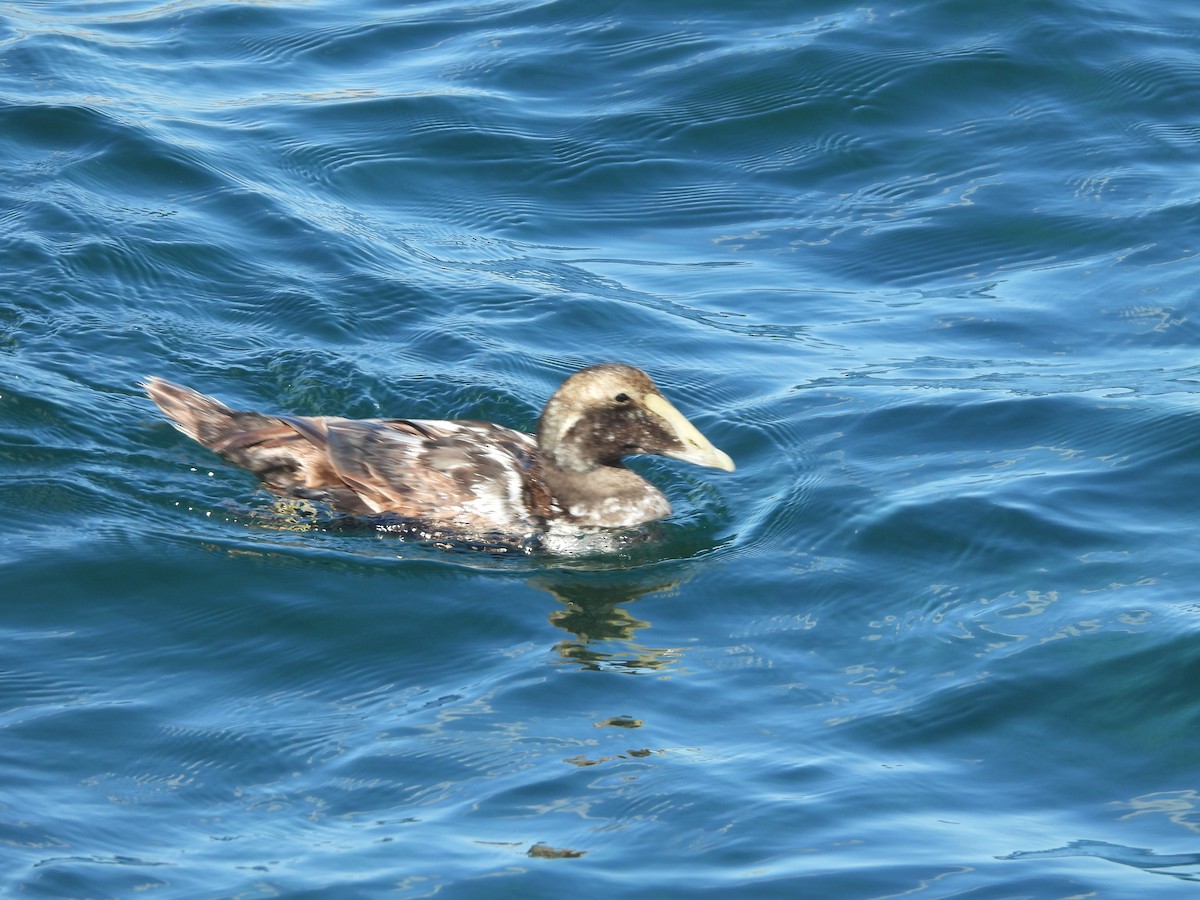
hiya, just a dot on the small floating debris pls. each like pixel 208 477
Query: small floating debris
pixel 619 722
pixel 545 851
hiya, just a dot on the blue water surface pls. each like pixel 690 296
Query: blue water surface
pixel 927 271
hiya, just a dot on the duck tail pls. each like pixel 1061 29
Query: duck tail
pixel 204 419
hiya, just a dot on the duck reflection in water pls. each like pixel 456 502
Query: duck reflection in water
pixel 602 629
pixel 594 596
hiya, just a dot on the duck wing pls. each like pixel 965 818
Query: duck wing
pixel 460 475
pixel 453 475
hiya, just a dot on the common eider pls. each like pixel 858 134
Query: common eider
pixel 465 478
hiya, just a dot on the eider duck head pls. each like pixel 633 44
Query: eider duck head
pixel 605 412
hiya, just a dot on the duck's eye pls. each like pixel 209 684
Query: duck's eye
pixel 622 397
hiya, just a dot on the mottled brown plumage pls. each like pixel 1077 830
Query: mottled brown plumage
pixel 463 477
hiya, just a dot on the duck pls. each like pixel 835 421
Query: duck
pixel 465 478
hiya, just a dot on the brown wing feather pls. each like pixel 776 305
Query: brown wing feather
pixel 453 475
pixel 467 475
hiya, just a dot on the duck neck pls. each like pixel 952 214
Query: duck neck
pixel 564 442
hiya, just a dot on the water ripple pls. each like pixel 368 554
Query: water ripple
pixel 926 273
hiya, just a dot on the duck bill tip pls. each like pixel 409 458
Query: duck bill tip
pixel 721 460
pixel 696 447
